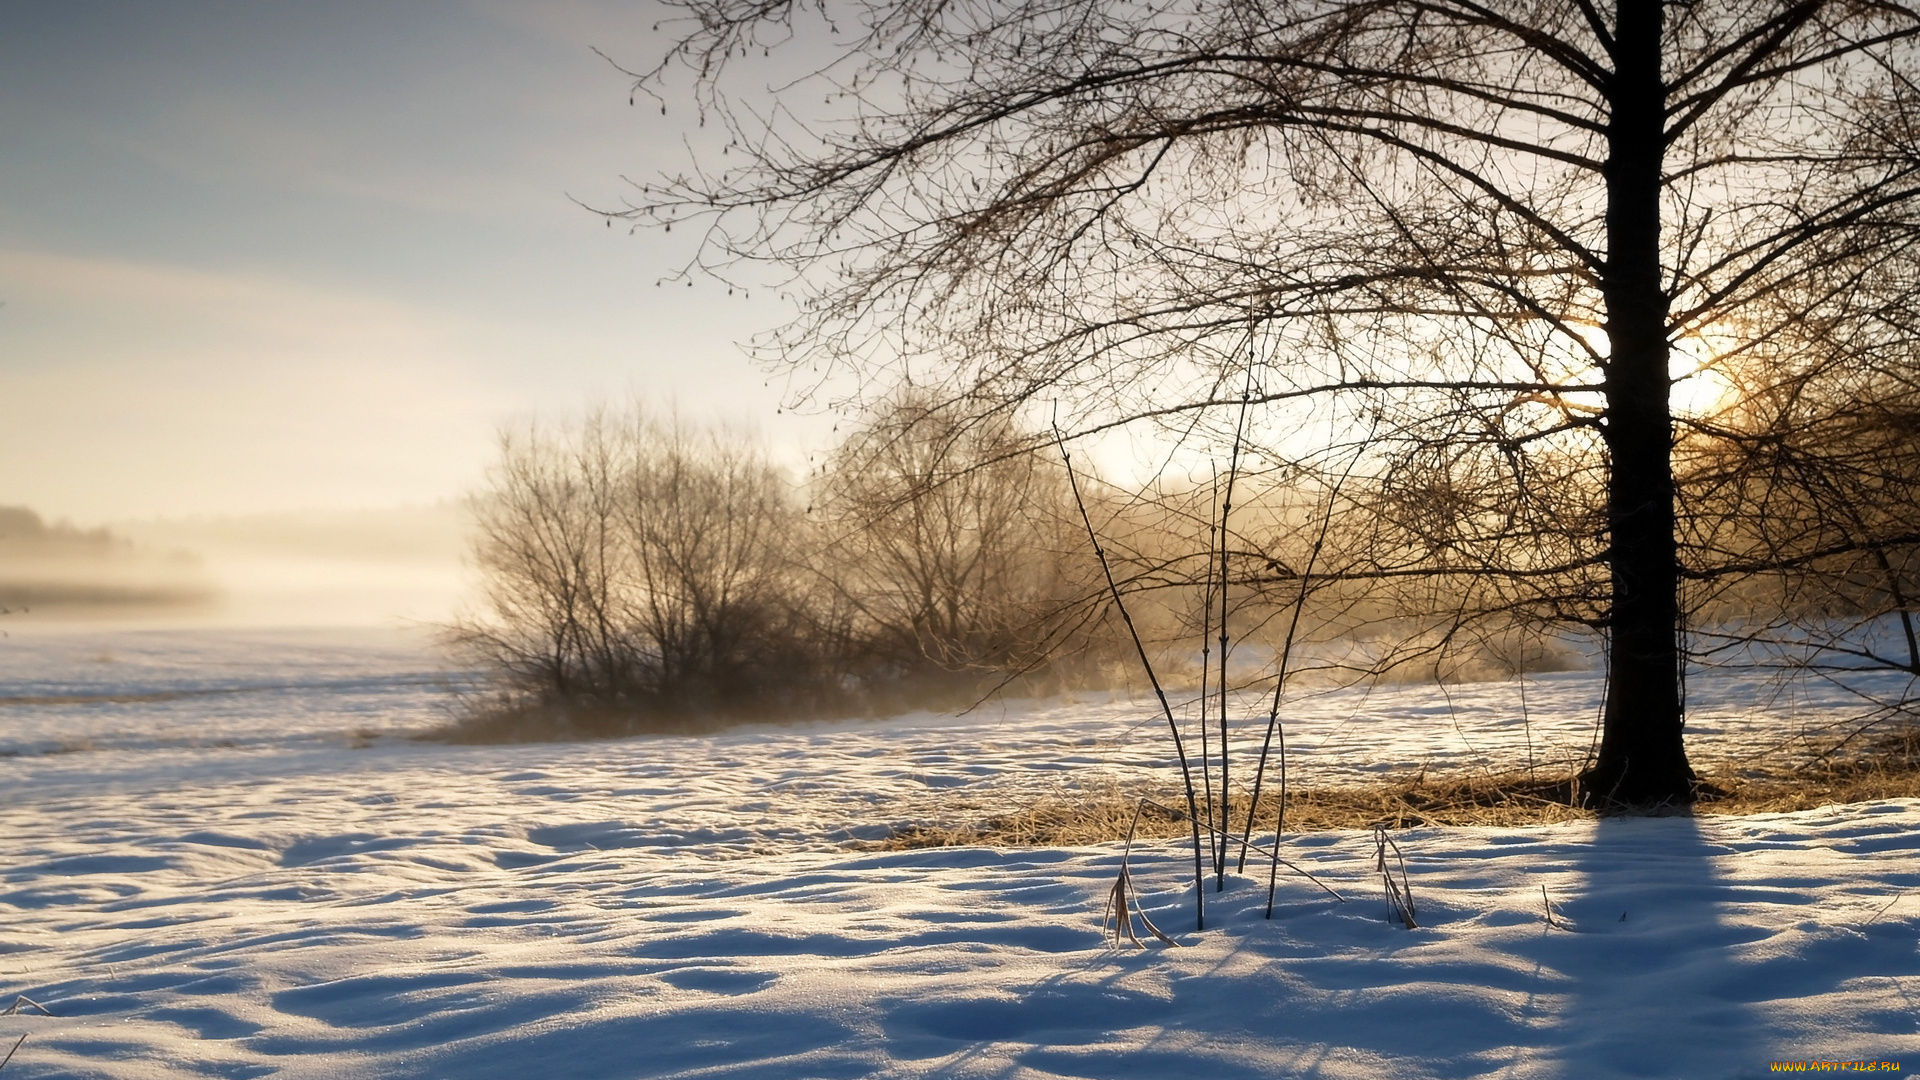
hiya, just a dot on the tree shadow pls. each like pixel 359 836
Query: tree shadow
pixel 1698 948
pixel 1680 947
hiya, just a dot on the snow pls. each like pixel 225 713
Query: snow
pixel 219 858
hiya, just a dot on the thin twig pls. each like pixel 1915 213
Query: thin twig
pixel 1280 685
pixel 1884 910
pixel 10 1053
pixel 1280 820
pixel 1547 904
pixel 1226 513
pixel 1206 666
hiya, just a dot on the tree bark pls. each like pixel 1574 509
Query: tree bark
pixel 1642 758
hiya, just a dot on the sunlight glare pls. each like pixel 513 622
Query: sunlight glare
pixel 1700 386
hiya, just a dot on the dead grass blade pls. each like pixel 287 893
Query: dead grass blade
pixel 1120 912
pixel 10 1053
pixel 25 1000
pixel 1399 892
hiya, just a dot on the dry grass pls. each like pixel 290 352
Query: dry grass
pixel 1104 815
pixel 1883 768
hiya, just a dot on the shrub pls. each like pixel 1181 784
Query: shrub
pixel 638 574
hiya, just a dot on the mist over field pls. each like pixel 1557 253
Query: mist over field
pixel 372 567
pixel 58 570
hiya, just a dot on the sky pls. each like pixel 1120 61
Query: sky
pixel 273 256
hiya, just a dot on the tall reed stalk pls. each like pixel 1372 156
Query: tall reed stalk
pixel 1179 746
pixel 1226 513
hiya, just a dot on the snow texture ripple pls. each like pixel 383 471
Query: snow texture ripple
pixel 216 860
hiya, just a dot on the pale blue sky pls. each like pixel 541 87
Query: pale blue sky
pixel 277 255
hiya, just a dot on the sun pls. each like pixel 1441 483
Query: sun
pixel 1696 369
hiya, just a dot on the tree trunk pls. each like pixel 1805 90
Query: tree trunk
pixel 1642 759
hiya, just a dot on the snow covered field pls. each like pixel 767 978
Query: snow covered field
pixel 218 859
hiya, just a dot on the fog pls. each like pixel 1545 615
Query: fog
pixel 374 567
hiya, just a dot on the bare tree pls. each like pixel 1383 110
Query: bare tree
pixel 549 551
pixel 1484 230
pixel 709 520
pixel 638 570
pixel 948 541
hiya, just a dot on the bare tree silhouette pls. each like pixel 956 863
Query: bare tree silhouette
pixel 636 572
pixel 948 542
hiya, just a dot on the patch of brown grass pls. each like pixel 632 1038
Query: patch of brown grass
pixel 1104 815
pixel 1884 768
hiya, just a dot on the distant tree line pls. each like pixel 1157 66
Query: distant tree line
pixel 643 573
pixel 57 567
